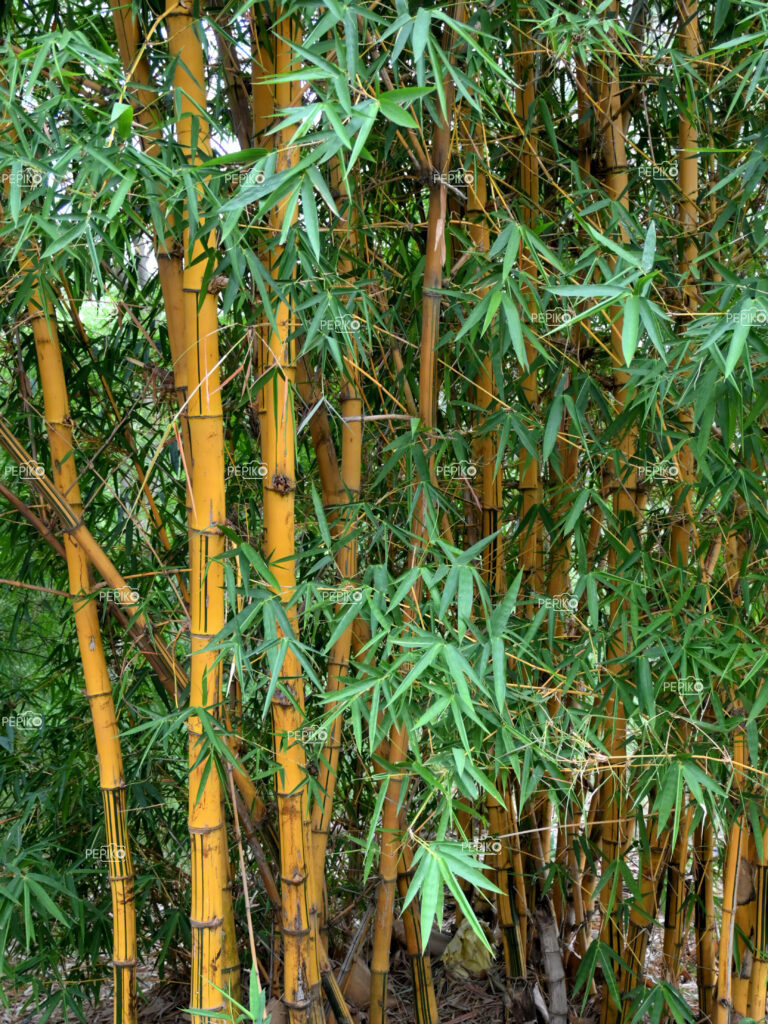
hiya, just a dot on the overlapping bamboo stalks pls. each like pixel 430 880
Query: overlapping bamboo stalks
pixel 738 982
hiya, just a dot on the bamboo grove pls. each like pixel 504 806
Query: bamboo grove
pixel 384 485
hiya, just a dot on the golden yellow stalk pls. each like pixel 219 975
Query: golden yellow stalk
pixel 513 923
pixel 706 925
pixel 98 686
pixel 301 971
pixel 625 506
pixel 385 899
pixel 211 918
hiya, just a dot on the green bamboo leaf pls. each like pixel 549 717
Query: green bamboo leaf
pixel 552 429
pixel 649 248
pixel 420 33
pixel 630 331
pixel 122 116
pixel 737 343
pixel 309 211
pixel 395 113
pixel 515 330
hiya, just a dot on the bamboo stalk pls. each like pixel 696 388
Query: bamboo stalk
pixel 643 913
pixel 674 914
pixel 512 885
pixel 625 505
pixel 674 918
pixel 98 686
pixel 167 251
pixel 346 555
pixel 723 1002
pixel 211 916
pixel 302 993
pixel 706 937
pixel 385 898
pixel 430 330
pixel 758 979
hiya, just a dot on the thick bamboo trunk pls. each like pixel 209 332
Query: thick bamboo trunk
pixel 98 686
pixel 214 954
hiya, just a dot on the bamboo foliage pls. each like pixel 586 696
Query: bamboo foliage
pixel 536 539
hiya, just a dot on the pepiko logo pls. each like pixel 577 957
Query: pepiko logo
pixel 111 852
pixel 24 720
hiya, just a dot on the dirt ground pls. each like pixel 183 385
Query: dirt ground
pixel 460 1001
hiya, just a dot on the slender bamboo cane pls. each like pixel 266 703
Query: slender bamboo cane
pixel 758 979
pixel 681 528
pixel 97 682
pixel 531 549
pixel 430 328
pixel 674 912
pixel 302 993
pixel 388 858
pixel 167 251
pixel 346 556
pixel 625 505
pixel 723 1002
pixel 706 938
pixel 212 917
pixel 643 913
pixel 513 924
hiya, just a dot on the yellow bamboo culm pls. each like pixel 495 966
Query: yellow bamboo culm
pixel 168 253
pixel 513 923
pixel 758 979
pixel 211 916
pixel 302 992
pixel 537 815
pixel 434 260
pixel 339 503
pixel 681 535
pixel 385 899
pixel 98 686
pixel 612 809
pixel 706 923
